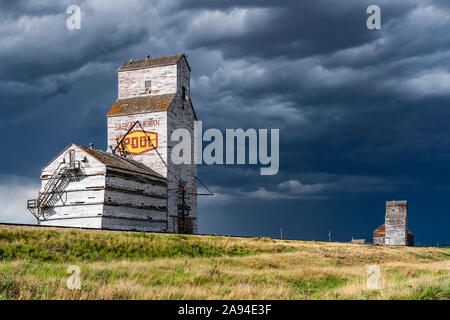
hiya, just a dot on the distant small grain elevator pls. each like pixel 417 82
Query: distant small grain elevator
pixel 395 230
pixel 138 187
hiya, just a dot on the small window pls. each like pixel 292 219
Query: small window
pixel 183 93
pixel 148 84
pixel 72 156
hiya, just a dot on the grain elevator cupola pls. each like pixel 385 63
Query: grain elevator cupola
pixel 134 185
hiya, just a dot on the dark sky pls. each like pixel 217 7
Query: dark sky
pixel 363 114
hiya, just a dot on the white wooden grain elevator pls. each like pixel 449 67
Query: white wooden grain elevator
pixel 134 185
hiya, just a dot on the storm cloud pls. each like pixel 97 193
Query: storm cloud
pixel 363 114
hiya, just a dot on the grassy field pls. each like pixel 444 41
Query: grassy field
pixel 119 265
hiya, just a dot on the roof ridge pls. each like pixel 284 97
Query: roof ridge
pixel 152 62
pixel 148 96
pixel 161 57
pixel 140 104
pixel 96 153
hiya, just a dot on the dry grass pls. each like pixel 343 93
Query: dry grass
pixel 260 269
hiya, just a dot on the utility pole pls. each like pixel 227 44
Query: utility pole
pixel 281 232
pixel 329 236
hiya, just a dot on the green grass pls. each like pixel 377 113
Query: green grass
pixel 136 265
pixel 78 245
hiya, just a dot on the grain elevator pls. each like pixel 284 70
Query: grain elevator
pixel 134 185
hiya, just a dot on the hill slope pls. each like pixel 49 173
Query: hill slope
pixel 131 265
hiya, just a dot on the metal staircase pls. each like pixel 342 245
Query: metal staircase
pixel 54 189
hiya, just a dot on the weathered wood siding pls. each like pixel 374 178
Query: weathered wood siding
pixel 90 222
pixel 138 203
pixel 181 115
pixel 378 240
pixel 82 199
pixel 132 83
pixel 396 223
pixel 117 127
pixel 396 231
pixel 104 197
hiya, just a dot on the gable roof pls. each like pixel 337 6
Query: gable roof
pixel 153 62
pixel 115 161
pixel 111 160
pixel 380 231
pixel 158 102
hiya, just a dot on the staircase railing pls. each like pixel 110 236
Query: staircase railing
pixel 52 188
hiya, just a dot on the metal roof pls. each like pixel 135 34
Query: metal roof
pixel 158 102
pixel 380 231
pixel 115 161
pixel 152 62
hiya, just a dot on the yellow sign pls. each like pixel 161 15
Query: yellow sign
pixel 139 142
